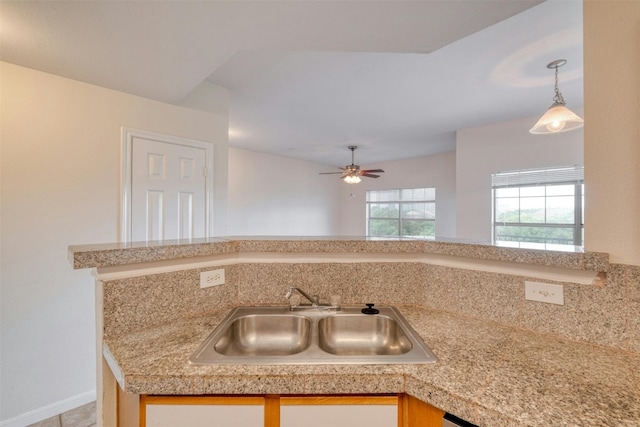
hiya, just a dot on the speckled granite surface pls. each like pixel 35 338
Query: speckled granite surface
pixel 504 361
pixel 490 374
pixel 103 255
pixel 110 254
pixel 603 315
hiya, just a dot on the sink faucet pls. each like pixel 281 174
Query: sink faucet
pixel 292 289
pixel 315 302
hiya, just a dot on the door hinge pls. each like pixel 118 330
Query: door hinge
pixel 204 171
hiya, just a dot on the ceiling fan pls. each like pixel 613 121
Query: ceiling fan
pixel 351 173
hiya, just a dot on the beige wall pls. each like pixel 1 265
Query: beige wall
pixel 612 128
pixel 501 147
pixel 276 195
pixel 60 177
pixel 438 170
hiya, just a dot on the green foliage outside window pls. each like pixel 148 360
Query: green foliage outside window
pixel 560 236
pixel 537 214
pixel 389 215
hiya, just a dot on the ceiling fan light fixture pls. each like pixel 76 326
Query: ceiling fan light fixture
pixel 352 179
pixel 558 117
pixel 351 174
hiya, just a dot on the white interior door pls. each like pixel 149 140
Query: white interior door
pixel 167 194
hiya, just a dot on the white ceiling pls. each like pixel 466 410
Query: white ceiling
pixel 308 78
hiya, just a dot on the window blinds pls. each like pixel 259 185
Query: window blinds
pixel 403 195
pixel 538 176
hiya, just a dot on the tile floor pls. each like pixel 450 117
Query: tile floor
pixel 83 416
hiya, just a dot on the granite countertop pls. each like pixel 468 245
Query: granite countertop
pixel 118 254
pixel 487 373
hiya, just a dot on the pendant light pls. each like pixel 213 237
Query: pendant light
pixel 558 118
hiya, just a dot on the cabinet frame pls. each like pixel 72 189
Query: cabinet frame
pixel 208 400
pixel 412 412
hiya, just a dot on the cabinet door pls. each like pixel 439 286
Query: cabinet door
pixel 339 411
pixel 205 412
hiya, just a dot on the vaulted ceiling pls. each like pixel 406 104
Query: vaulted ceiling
pixel 308 78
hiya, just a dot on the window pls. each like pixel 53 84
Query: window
pixel 539 208
pixel 401 213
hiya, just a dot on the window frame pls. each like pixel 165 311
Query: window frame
pixel 577 225
pixel 399 219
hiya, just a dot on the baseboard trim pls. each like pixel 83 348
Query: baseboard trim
pixel 49 411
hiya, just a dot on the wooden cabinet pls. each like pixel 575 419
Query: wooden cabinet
pixel 285 411
pixel 417 413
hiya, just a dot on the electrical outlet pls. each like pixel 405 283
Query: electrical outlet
pixel 544 292
pixel 212 278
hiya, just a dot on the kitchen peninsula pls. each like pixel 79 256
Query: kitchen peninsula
pixel 502 360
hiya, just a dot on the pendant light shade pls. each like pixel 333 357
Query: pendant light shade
pixel 558 117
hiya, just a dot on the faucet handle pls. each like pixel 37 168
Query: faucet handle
pixel 289 292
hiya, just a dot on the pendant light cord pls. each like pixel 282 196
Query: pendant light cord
pixel 558 98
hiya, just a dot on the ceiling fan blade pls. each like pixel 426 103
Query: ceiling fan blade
pixel 368 175
pixel 372 170
pixel 329 173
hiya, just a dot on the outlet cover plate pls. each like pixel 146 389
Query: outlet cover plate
pixel 544 292
pixel 212 278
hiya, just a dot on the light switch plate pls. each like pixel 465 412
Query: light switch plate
pixel 544 292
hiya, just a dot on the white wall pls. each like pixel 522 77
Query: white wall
pixel 275 195
pixel 612 129
pixel 501 147
pixel 60 177
pixel 437 171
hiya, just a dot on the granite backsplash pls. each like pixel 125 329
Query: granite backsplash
pixel 605 314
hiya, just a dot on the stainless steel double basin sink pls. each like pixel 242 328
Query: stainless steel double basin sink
pixel 278 336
